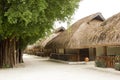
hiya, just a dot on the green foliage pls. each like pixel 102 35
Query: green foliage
pixel 100 63
pixel 117 66
pixel 32 19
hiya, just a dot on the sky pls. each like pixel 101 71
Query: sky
pixel 87 7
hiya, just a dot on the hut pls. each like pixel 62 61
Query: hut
pixel 42 43
pixel 38 47
pixel 71 44
pixel 106 39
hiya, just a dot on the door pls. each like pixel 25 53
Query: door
pixel 84 53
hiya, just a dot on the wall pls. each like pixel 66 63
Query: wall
pixel 61 51
pixel 75 51
pixel 57 51
pixel 111 50
pixel 92 53
pixel 67 51
pixel 71 51
pixel 99 51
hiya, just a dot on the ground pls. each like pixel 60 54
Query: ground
pixel 37 68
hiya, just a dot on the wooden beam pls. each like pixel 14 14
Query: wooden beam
pixel 78 55
pixel 94 53
pixel 64 51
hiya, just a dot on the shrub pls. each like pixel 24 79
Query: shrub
pixel 117 66
pixel 100 63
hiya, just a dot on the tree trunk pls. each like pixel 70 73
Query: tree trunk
pixel 19 52
pixel 20 56
pixel 9 53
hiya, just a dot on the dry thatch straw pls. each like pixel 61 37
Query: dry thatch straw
pixel 52 36
pixel 108 34
pixel 76 36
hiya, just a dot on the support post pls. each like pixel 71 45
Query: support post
pixel 105 50
pixel 78 55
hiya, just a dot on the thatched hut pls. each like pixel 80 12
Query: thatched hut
pixel 106 39
pixel 38 47
pixel 42 43
pixel 73 40
pixel 108 32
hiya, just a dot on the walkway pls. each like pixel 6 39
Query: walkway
pixel 37 68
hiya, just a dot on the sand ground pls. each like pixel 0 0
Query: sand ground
pixel 38 68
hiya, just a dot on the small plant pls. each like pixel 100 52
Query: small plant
pixel 117 66
pixel 100 63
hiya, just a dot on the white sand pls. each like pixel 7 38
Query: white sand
pixel 37 68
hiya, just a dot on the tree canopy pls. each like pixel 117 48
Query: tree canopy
pixel 29 20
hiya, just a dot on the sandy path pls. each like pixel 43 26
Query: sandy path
pixel 37 68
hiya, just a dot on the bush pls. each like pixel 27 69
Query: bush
pixel 100 63
pixel 117 66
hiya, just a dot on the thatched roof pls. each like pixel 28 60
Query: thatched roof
pixel 60 29
pixel 75 36
pixel 108 33
pixel 52 36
